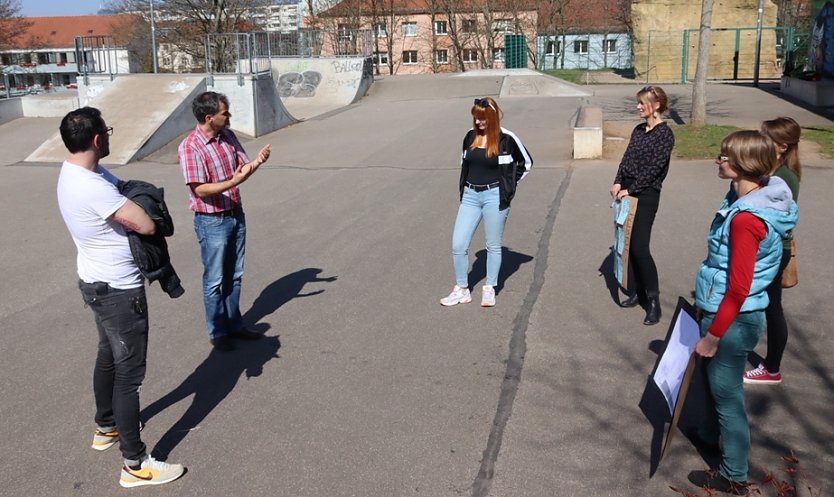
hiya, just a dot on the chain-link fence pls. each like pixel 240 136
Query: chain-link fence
pixel 671 56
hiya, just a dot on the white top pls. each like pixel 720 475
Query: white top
pixel 87 201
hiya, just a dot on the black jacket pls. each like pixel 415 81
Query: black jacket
pixel 150 252
pixel 513 159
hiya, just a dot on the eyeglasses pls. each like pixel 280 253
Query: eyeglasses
pixel 482 102
pixel 648 88
pixel 722 158
pixel 108 131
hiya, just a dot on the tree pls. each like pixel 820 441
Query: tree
pixel 699 92
pixel 11 24
pixel 186 24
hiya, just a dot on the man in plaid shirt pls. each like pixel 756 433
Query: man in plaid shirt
pixel 214 164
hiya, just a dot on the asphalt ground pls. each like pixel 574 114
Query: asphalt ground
pixel 365 386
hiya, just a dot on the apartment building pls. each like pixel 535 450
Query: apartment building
pixel 45 56
pixel 411 37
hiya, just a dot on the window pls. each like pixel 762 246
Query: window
pixel 503 25
pixel 381 58
pixel 609 46
pixel 440 28
pixel 498 54
pixel 469 26
pixel 553 47
pixel 410 57
pixel 580 46
pixel 409 29
pixel 380 31
pixel 441 56
pixel 345 32
pixel 470 55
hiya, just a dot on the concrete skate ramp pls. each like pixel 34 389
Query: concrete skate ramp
pixel 530 83
pixel 311 87
pixel 146 111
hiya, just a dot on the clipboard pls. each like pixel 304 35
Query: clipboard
pixel 624 211
pixel 674 370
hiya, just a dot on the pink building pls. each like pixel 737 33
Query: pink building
pixel 431 36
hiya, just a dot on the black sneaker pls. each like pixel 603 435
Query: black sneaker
pixel 223 343
pixel 244 334
pixel 718 482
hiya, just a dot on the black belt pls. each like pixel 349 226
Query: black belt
pixel 230 212
pixel 482 188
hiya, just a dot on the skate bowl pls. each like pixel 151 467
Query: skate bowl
pixel 312 87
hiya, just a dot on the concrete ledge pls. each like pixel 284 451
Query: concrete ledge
pixel 819 93
pixel 587 133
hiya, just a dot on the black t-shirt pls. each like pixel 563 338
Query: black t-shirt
pixel 482 170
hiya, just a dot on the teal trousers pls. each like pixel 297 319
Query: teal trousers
pixel 726 415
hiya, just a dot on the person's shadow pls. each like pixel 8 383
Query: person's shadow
pixel 279 292
pixel 218 374
pixel 606 270
pixel 510 263
pixel 210 383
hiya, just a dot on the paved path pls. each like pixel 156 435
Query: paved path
pixel 365 386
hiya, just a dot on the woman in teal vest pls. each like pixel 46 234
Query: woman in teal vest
pixel 744 250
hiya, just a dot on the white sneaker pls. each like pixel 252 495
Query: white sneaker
pixel 151 472
pixel 458 296
pixel 488 296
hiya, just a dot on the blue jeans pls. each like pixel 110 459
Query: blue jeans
pixel 475 206
pixel 726 414
pixel 222 239
pixel 122 321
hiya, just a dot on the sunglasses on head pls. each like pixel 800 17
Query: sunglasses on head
pixel 482 102
pixel 648 88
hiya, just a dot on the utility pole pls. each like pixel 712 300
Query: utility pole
pixel 758 45
pixel 153 41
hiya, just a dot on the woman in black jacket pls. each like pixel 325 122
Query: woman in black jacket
pixel 493 161
pixel 641 174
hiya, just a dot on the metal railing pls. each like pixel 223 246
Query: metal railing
pixel 250 53
pixel 97 55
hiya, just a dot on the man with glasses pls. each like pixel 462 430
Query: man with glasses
pixel 214 165
pixel 98 218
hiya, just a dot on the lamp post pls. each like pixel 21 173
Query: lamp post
pixel 153 40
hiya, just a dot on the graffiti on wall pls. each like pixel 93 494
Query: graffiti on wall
pixel 305 82
pixel 821 47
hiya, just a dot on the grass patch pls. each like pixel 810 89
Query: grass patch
pixel 703 143
pixel 575 76
pixel 822 136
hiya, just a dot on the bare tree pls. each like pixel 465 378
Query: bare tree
pixel 699 91
pixel 386 25
pixel 11 24
pixel 186 24
pixel 456 32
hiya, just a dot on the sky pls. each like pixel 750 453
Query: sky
pixel 39 8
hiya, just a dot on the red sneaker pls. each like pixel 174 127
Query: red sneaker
pixel 762 376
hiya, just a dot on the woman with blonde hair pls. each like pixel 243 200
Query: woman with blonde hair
pixel 493 161
pixel 641 174
pixel 785 133
pixel 744 250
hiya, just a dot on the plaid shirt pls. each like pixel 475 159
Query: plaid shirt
pixel 204 159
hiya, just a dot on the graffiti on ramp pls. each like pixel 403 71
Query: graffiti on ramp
pixel 299 85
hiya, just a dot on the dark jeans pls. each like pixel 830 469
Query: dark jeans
pixel 777 327
pixel 639 254
pixel 122 321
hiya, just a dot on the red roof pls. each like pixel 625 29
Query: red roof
pixel 60 32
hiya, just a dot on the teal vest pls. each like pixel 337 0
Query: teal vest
pixel 772 204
